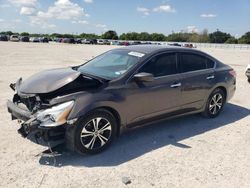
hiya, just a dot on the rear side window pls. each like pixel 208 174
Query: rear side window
pixel 192 62
pixel 210 64
pixel 161 65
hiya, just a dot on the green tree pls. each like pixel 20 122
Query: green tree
pixel 144 36
pixel 179 37
pixel 110 35
pixel 132 36
pixel 245 39
pixel 194 37
pixel 56 35
pixel 68 36
pixel 204 37
pixel 157 37
pixel 232 40
pixel 123 36
pixel 89 36
pixel 35 35
pixel 7 33
pixel 219 37
pixel 24 34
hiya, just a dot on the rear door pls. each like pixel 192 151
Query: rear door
pixel 197 78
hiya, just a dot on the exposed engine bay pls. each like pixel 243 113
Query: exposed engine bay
pixel 40 118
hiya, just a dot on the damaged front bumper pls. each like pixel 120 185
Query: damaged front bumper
pixel 31 127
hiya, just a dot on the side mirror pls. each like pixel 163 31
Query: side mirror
pixel 144 77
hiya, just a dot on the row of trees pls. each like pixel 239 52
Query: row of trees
pixel 203 37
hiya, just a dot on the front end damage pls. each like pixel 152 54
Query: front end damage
pixel 32 128
pixel 43 103
pixel 40 122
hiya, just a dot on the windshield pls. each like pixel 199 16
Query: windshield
pixel 112 64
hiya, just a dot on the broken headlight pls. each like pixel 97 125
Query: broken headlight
pixel 55 116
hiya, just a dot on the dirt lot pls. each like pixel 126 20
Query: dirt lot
pixel 184 152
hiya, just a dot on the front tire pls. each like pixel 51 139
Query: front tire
pixel 95 132
pixel 215 103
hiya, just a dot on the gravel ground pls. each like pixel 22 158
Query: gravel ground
pixel 185 152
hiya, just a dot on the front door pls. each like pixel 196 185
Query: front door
pixel 149 99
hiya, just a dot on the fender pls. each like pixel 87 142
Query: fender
pixel 109 100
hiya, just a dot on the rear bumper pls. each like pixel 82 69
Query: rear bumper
pixel 231 90
pixel 31 129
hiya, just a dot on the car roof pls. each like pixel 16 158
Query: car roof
pixel 148 49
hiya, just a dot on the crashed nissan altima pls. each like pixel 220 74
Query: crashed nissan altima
pixel 87 106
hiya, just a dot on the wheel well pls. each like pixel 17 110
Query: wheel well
pixel 114 113
pixel 223 89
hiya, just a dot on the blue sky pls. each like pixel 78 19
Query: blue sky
pixel 97 16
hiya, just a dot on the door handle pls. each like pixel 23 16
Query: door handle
pixel 210 77
pixel 175 85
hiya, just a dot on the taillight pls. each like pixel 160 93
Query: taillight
pixel 233 73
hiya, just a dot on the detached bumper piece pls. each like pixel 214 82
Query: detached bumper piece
pixel 43 136
pixel 31 128
pixel 18 111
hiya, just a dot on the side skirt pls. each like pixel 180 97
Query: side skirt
pixel 163 117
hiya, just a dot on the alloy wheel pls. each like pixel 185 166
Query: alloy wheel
pixel 96 133
pixel 216 103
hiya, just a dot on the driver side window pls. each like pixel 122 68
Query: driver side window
pixel 161 65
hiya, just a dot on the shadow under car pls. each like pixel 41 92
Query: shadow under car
pixel 140 141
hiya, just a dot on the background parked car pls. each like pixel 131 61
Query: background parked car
pixel 146 42
pixel 103 42
pixel 106 42
pixel 44 39
pixel 175 44
pixel 24 39
pixel 58 40
pixel 78 41
pixel 89 41
pixel 14 38
pixel 100 41
pixel 3 38
pixel 248 73
pixel 115 42
pixel 69 40
pixel 188 45
pixel 124 43
pixel 85 41
pixel 34 39
pixel 135 43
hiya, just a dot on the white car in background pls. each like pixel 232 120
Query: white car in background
pixel 248 72
pixel 14 38
pixel 114 42
pixel 100 41
pixel 103 42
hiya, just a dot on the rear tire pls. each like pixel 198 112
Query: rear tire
pixel 215 103
pixel 95 132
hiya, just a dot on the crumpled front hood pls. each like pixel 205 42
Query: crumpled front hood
pixel 48 81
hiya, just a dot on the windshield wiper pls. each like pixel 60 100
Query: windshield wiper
pixel 100 79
